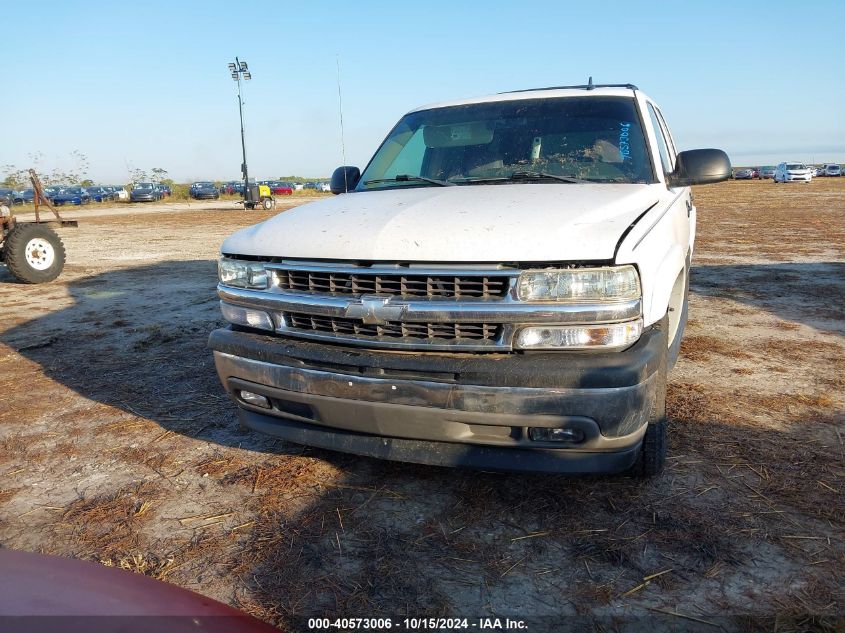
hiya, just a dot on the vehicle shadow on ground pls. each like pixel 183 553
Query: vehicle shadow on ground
pixel 395 539
pixel 810 293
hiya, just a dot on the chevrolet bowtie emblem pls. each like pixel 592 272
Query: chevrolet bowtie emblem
pixel 375 310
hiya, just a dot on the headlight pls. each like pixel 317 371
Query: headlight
pixel 241 274
pixel 617 283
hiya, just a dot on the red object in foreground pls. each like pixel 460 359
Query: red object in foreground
pixel 83 596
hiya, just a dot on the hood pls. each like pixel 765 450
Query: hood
pixel 478 223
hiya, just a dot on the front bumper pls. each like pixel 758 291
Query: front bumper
pixel 447 409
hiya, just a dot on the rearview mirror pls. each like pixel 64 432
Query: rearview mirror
pixel 699 167
pixel 344 179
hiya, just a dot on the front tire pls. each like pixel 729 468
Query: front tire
pixel 267 204
pixel 34 253
pixel 652 456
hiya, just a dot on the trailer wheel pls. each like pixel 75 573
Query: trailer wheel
pixel 34 253
pixel 268 204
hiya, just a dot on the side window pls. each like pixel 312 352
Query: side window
pixel 662 146
pixel 673 152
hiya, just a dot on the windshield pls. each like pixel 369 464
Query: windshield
pixel 596 139
pixel 144 185
pixel 795 166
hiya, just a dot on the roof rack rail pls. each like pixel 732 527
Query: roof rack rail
pixel 589 86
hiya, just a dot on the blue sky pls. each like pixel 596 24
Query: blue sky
pixel 146 85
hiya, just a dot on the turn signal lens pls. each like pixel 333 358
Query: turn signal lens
pixel 611 336
pixel 248 317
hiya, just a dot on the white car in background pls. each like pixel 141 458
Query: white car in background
pixel 832 169
pixel 793 172
pixel 121 193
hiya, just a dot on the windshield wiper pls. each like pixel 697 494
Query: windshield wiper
pixel 409 178
pixel 541 175
pixel 518 176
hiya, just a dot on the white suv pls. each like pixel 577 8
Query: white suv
pixel 503 287
pixel 793 172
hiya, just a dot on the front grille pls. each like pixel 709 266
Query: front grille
pixel 447 332
pixel 398 284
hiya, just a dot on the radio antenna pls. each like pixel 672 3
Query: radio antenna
pixel 340 112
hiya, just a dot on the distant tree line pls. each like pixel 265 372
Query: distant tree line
pixel 14 177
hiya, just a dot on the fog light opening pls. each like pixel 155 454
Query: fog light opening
pixel 561 435
pixel 254 399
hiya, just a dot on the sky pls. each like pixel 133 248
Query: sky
pixel 144 85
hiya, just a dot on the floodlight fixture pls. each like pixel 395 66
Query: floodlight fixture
pixel 243 67
pixel 232 67
pixel 247 76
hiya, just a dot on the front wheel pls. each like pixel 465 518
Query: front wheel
pixel 267 204
pixel 652 456
pixel 34 253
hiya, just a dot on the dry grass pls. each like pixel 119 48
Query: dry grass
pixel 702 347
pixel 109 526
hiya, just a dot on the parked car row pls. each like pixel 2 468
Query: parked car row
pixel 70 194
pixel 788 171
pixel 318 186
pixel 278 187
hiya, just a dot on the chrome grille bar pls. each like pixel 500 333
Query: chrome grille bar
pixel 401 282
pixel 429 311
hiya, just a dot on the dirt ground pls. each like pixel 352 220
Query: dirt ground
pixel 118 445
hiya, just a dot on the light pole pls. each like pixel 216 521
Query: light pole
pixel 237 69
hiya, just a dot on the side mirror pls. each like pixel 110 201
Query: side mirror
pixel 700 167
pixel 345 179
